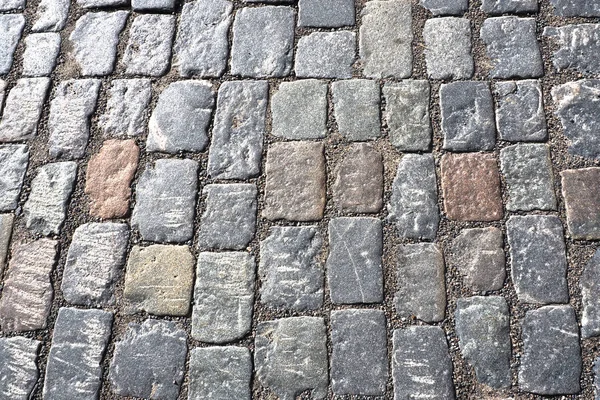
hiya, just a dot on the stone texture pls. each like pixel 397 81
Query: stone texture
pixel 291 357
pixel 148 51
pixel 413 205
pixel 126 109
pixel 590 293
pixel 238 130
pixel 356 108
pixel 579 189
pixel 23 109
pixel 326 55
pixel 9 5
pixel 159 280
pixel 164 209
pixel 27 291
pixel 79 340
pixel 421 283
pixel 596 371
pixel 162 347
pixel 95 263
pixel 448 48
pixel 223 297
pixel 11 27
pixel 578 47
pixel 41 50
pixel 498 7
pixel 151 5
pixel 326 13
pixel 3 86
pixel 102 3
pixel 6 225
pixel 520 115
pixel 538 260
pixel 14 159
pixel 576 8
pixel 446 7
pixel 18 371
pixel 471 187
pixel 551 360
pixel 290 270
pixel 51 15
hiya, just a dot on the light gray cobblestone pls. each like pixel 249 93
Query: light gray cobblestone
pixel 149 48
pixel 51 15
pixel 448 48
pixel 446 7
pixel 18 371
pixel 326 55
pixel 23 109
pixel 14 159
pixel 11 27
pixel 590 293
pixel 576 8
pixel 356 108
pixel 520 115
pixel 579 47
pixel 326 13
pixel 6 225
pixel 126 110
pixel 497 7
pixel 41 50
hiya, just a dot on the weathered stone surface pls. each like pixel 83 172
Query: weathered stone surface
pixel 126 108
pixel 3 86
pixel 41 50
pixel 69 121
pixel 238 130
pixel 109 176
pixel 46 207
pixel 413 204
pixel 6 225
pixel 578 47
pixel 467 112
pixel 9 5
pixel 291 356
pixel 527 170
pixel 596 370
pixel 421 282
pixel 580 191
pixel 223 296
pixel 23 108
pixel 162 347
pixel 14 159
pixel 421 365
pixel 498 7
pixel 94 41
pixel 220 373
pixel 482 327
pixel 446 7
pixel 151 5
pixel 478 253
pixel 95 263
pixel 520 115
pixel 74 369
pixel 448 48
pixel 326 13
pixel 290 270
pixel 386 39
pixel 149 48
pixel 229 218
pixel 51 15
pixel 407 115
pixel 27 292
pixel 590 293
pixel 354 264
pixel 181 117
pixel 201 46
pixel 299 110
pixel 576 8
pixel 326 55
pixel 102 3
pixel 164 209
pixel 295 184
pixel 159 280
pixel 11 27
pixel 551 360
pixel 538 260
pixel 18 371
pixel 471 187
pixel 359 363
pixel 356 108
pixel 263 42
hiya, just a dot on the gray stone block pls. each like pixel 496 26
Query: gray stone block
pixel 152 5
pixel 590 293
pixel 356 108
pixel 520 115
pixel 126 108
pixel 18 371
pixel 101 3
pixel 497 7
pixel 51 15
pixel 14 159
pixel 576 8
pixel 446 7
pixel 326 13
pixel 578 47
pixel 6 226
pixel 326 55
pixel 23 109
pixel 448 48
pixel 148 51
pixel 9 5
pixel 11 27
pixel 41 50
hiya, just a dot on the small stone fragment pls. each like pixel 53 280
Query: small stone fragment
pixel 498 7
pixel 520 115
pixel 448 48
pixel 11 27
pixel 576 8
pixel 153 5
pixel 23 109
pixel 446 7
pixel 590 293
pixel 126 108
pixel 326 13
pixel 51 15
pixel 580 191
pixel 578 47
pixel 326 55
pixel 18 371
pixel 6 225
pixel 14 159
pixel 356 108
pixel 149 48
pixel 41 50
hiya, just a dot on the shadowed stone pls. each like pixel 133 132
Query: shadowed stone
pixel 23 109
pixel 498 7
pixel 578 47
pixel 51 15
pixel 448 48
pixel 6 225
pixel 520 115
pixel 326 55
pixel 14 159
pixel 149 48
pixel 126 108
pixel 41 50
pixel 446 7
pixel 356 108
pixel 11 27
pixel 576 8
pixel 326 13
pixel 18 371
pixel 101 3
pixel 590 293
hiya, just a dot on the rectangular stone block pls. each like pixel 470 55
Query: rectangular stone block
pixel 448 48
pixel 51 15
pixel 325 13
pixel 576 8
pixel 356 108
pixel 579 189
pixel 23 109
pixel 11 27
pixel 148 51
pixel 326 55
pixel 446 7
pixel 520 115
pixel 6 226
pixel 18 370
pixel 41 50
pixel 14 159
pixel 578 47
pixel 590 293
pixel 126 108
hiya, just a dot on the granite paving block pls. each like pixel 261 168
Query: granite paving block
pixel 6 226
pixel 578 47
pixel 153 5
pixel 326 13
pixel 102 3
pixel 3 86
pixel 596 371
pixel 126 108
pixel 520 115
pixel 579 189
pixel 446 7
pixel 51 15
pixel 590 293
pixel 448 48
pixel 10 5
pixel 11 27
pixel 356 108
pixel 498 7
pixel 326 55
pixel 14 159
pixel 41 50
pixel 18 371
pixel 576 8
pixel 23 108
pixel 148 51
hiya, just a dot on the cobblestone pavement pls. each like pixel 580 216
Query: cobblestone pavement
pixel 235 199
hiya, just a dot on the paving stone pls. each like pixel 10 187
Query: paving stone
pixel 229 218
pixel 27 291
pixel 69 121
pixel 3 86
pixel 18 372
pixel 482 327
pixel 359 363
pixel 358 186
pixel 153 5
pixel 11 27
pixel 126 109
pixel 448 48
pixel 520 115
pixel 295 183
pixel 159 280
pixel 41 50
pixel 590 293
pixel 326 13
pixel 94 41
pixel 79 340
pixel 238 131
pixel 51 15
pixel 220 373
pixel 576 8
pixel 102 3
pixel 23 109
pixel 354 265
pixel 181 117
pixel 290 270
pixel 164 209
pixel 579 189
pixel 467 112
pixel 471 187
pixel 421 365
pixel 223 297
pixel 9 5
pixel 162 347
pixel 6 225
pixel 95 263
pixel 14 159
pixel 148 51
pixel 291 356
pixel 551 360
pixel 527 170
pixel 421 283
pixel 512 47
pixel 538 261
pixel 109 176
pixel 596 371
pixel 263 42
pixel 413 205
pixel 578 47
pixel 51 188
pixel 446 7
pixel 356 108
pixel 326 55
pixel 498 7
pixel 478 253
pixel 407 115
pixel 385 39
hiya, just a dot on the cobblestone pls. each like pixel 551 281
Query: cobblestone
pixel 326 55
pixel 498 7
pixel 356 108
pixel 520 113
pixel 41 50
pixel 6 225
pixel 582 203
pixel 448 48
pixel 149 48
pixel 590 293
pixel 576 8
pixel 102 3
pixel 14 159
pixel 51 15
pixel 11 27
pixel 18 372
pixel 326 13
pixel 578 47
pixel 153 5
pixel 23 109
pixel 446 7
pixel 9 5
pixel 126 108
